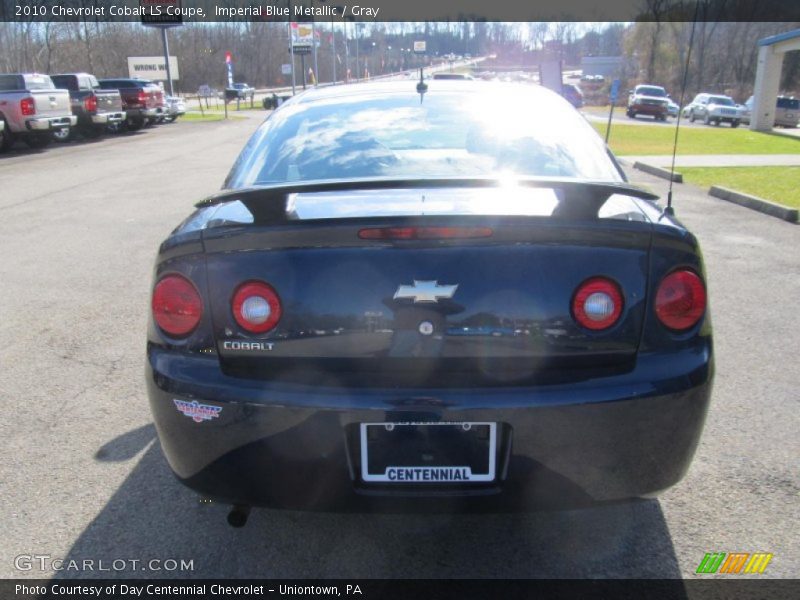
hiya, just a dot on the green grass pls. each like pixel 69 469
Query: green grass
pixel 231 107
pixel 206 117
pixel 778 184
pixel 644 140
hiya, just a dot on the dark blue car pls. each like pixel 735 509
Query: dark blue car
pixel 422 301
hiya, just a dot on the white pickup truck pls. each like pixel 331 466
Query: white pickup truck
pixel 31 109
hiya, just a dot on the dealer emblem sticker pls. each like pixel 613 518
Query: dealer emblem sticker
pixel 196 411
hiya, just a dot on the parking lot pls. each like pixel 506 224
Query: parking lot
pixel 82 475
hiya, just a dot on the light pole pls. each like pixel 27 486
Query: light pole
pixel 358 35
pixel 314 41
pixel 346 54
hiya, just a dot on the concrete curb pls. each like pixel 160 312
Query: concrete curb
pixel 659 172
pixel 754 203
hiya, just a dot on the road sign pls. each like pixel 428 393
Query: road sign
pixel 152 67
pixel 419 47
pixel 161 13
pixel 302 37
pixel 614 90
pixel 286 69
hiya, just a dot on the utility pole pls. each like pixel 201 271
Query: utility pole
pixel 333 50
pixel 314 41
pixel 291 51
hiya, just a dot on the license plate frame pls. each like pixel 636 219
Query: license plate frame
pixel 436 474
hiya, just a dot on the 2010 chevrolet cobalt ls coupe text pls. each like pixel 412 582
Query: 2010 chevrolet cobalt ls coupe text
pixel 411 298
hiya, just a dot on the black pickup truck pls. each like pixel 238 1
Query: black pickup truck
pixel 95 107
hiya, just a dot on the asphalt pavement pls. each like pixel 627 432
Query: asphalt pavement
pixel 82 476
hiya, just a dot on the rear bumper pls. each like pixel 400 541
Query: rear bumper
pixel 296 446
pixel 50 123
pixel 141 113
pixel 107 118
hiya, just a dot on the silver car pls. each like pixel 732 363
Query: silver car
pixel 176 107
pixel 787 111
pixel 714 108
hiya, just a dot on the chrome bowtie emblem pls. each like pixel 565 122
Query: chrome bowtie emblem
pixel 425 291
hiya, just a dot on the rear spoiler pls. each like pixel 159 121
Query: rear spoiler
pixel 577 199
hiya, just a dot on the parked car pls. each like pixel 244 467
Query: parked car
pixel 651 100
pixel 241 91
pixel 96 108
pixel 456 76
pixel 176 107
pixel 31 109
pixel 359 210
pixel 573 94
pixel 672 108
pixel 787 111
pixel 714 108
pixel 142 100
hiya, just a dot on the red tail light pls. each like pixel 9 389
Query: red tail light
pixel 142 98
pixel 256 307
pixel 424 233
pixel 177 306
pixel 681 300
pixel 27 107
pixel 597 303
pixel 90 104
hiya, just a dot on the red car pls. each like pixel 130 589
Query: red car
pixel 651 100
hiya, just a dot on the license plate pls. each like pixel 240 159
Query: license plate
pixel 435 453
pixel 790 115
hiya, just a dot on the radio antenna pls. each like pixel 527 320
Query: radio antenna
pixel 669 210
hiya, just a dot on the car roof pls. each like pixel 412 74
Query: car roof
pixel 409 86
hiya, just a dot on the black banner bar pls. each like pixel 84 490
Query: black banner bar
pixel 391 589
pixel 207 11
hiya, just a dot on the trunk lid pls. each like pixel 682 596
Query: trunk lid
pixel 494 308
pixel 108 101
pixel 51 103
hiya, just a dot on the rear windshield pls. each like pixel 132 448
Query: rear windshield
pixel 721 100
pixel 123 83
pixel 39 82
pixel 10 83
pixel 790 103
pixel 449 134
pixel 65 82
pixel 651 91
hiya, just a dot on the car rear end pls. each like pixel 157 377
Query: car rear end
pixel 176 107
pixel 95 108
pixel 787 112
pixel 44 108
pixel 138 100
pixel 107 108
pixel 361 343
